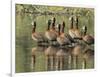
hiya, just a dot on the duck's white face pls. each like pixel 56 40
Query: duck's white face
pixel 32 23
pixel 84 28
pixel 69 18
pixel 76 18
pixel 56 27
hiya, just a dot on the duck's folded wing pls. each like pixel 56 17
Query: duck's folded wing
pixel 69 37
pixel 72 34
pixel 51 35
pixel 78 34
pixel 65 40
pixel 38 36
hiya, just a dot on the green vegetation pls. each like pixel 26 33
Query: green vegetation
pixel 41 9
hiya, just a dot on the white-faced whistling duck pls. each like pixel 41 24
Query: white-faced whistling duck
pixel 66 34
pixel 86 37
pixel 50 34
pixel 61 38
pixel 71 28
pixel 76 29
pixel 38 37
pixel 53 26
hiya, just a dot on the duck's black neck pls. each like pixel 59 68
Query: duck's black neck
pixel 71 25
pixel 62 30
pixel 59 29
pixel 53 25
pixel 49 24
pixel 76 24
pixel 63 27
pixel 48 28
pixel 34 27
pixel 58 32
pixel 85 32
pixel 33 30
pixel 54 20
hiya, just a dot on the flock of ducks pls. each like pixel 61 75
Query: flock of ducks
pixel 74 42
pixel 55 33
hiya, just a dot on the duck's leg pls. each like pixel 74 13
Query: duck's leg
pixel 33 62
pixel 57 63
pixel 61 63
pixel 52 62
pixel 70 61
pixel 47 63
pixel 84 64
pixel 75 62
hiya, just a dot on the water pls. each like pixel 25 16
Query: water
pixel 25 44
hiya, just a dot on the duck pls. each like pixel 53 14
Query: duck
pixel 88 39
pixel 53 26
pixel 38 37
pixel 66 34
pixel 50 33
pixel 54 20
pixel 61 38
pixel 71 28
pixel 76 29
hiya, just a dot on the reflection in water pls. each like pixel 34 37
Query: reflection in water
pixel 70 58
pixel 34 55
pixel 33 58
pixel 84 64
pixel 60 56
pixel 87 55
pixel 56 58
pixel 50 54
pixel 76 52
